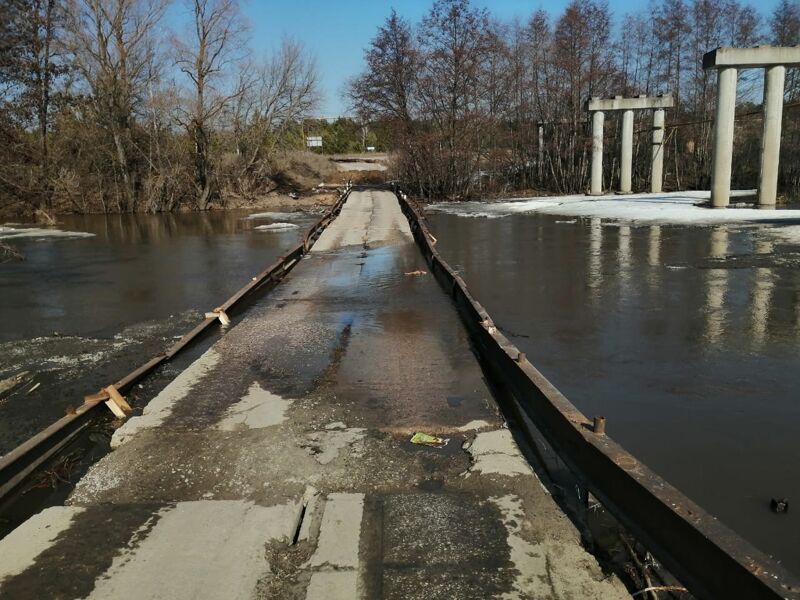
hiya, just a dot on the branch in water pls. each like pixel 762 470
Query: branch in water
pixel 9 253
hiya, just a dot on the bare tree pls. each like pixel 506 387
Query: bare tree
pixel 387 90
pixel 113 47
pixel 212 50
pixel 279 92
pixel 453 43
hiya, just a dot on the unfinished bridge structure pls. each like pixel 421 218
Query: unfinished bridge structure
pixel 727 62
pixel 597 108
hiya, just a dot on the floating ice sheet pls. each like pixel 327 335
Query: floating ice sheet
pixel 39 233
pixel 677 208
pixel 277 227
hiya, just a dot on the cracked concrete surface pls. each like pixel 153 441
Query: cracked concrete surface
pixel 279 464
pixel 258 408
pixel 496 452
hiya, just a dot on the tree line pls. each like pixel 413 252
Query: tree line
pixel 142 105
pixel 461 94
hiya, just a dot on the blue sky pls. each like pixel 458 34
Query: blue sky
pixel 337 31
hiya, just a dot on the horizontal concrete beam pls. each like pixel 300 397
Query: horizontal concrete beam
pixel 760 56
pixel 620 103
pixel 583 121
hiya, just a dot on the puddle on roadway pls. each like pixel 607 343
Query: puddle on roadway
pixel 685 339
pixel 423 374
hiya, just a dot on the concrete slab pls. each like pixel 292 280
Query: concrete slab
pixel 333 585
pixel 258 408
pixel 496 452
pixel 340 532
pixel 200 550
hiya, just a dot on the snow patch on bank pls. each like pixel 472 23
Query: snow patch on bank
pixel 677 208
pixel 40 233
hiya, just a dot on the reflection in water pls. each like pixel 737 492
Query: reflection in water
pixel 689 347
pixel 654 257
pixel 624 257
pixel 654 246
pixel 595 253
pixel 136 268
pixel 762 293
pixel 717 287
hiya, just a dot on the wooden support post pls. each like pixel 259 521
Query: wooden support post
pixel 117 403
pixel 219 314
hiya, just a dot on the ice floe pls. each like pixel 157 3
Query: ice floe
pixel 277 227
pixel 39 233
pixel 677 208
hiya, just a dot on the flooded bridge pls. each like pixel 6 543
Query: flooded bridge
pixel 363 431
pixel 279 464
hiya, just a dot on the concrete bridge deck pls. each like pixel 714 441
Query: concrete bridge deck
pixel 279 464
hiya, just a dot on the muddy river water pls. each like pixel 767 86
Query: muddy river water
pixel 80 312
pixel 685 338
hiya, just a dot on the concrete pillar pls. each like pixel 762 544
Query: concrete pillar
pixel 598 117
pixel 771 138
pixel 723 137
pixel 626 156
pixel 657 164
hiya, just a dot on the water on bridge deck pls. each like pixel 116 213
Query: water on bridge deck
pixel 280 465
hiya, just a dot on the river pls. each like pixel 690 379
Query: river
pixel 80 312
pixel 685 338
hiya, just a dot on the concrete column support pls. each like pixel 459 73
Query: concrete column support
pixel 626 155
pixel 598 118
pixel 723 137
pixel 657 163
pixel 771 138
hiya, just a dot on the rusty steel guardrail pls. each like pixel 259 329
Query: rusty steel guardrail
pixel 707 557
pixel 23 460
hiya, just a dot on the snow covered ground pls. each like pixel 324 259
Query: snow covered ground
pixel 677 208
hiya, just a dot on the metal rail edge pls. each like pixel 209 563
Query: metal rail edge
pixel 23 460
pixel 710 559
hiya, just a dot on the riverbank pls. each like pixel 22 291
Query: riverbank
pixel 301 181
